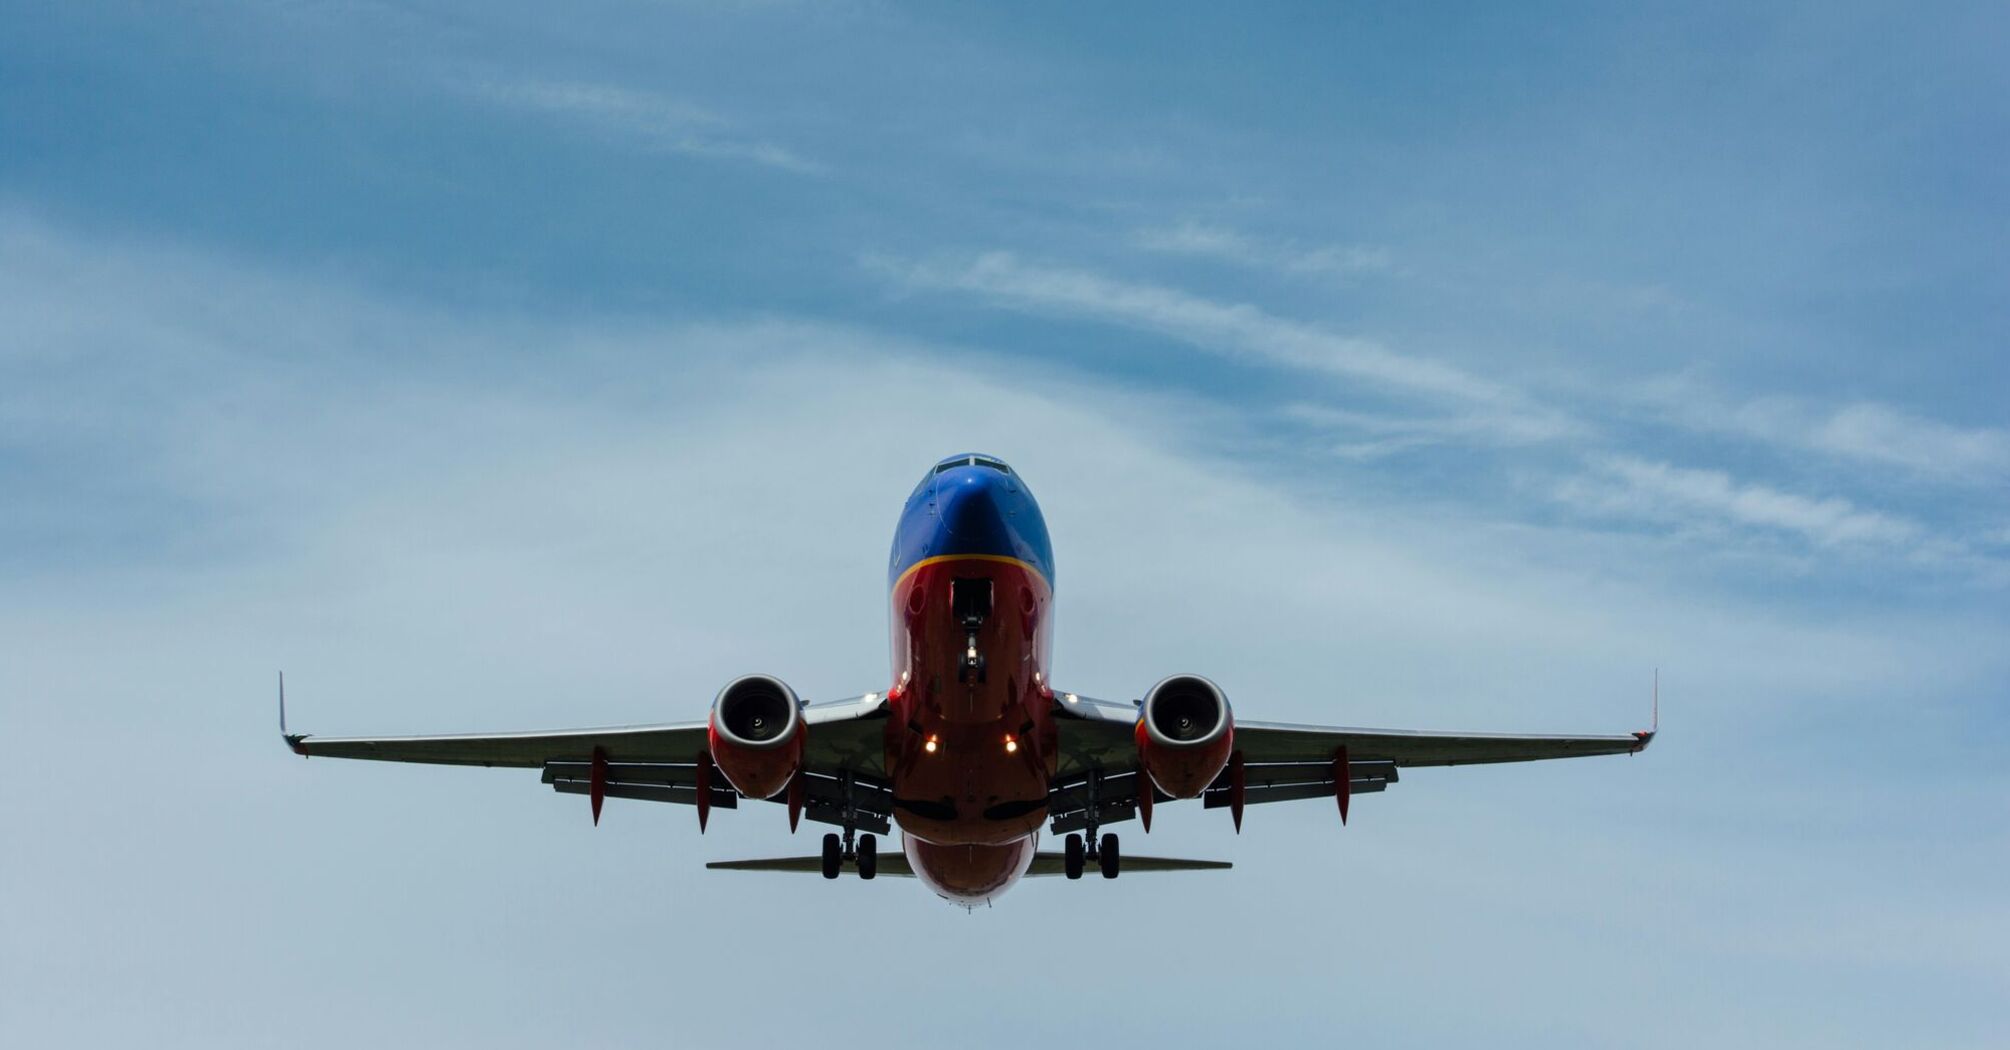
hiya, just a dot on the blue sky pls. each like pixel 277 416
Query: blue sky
pixel 499 367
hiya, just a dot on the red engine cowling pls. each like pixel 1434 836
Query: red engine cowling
pixel 1185 733
pixel 756 734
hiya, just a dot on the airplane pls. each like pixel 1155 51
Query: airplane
pixel 970 750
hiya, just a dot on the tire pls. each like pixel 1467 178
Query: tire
pixel 833 856
pixel 1071 857
pixel 868 856
pixel 1108 856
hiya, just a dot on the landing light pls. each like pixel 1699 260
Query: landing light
pixel 929 745
pixel 1011 745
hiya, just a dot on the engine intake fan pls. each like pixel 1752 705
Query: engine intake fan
pixel 756 734
pixel 1185 733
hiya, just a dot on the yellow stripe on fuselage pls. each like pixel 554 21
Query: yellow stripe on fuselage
pixel 1001 558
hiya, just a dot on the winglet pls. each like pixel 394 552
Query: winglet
pixel 293 740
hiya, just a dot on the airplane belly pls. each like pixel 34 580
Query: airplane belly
pixel 966 744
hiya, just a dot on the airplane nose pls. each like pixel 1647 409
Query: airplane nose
pixel 970 504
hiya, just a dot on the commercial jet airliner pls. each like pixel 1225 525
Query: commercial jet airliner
pixel 971 749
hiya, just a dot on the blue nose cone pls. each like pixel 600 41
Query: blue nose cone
pixel 973 503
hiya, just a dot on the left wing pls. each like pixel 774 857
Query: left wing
pixel 842 754
pixel 1280 761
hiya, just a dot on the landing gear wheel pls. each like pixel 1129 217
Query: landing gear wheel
pixel 833 856
pixel 868 856
pixel 1107 856
pixel 1071 857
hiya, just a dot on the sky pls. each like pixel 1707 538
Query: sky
pixel 498 366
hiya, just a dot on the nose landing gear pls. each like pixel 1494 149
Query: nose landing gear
pixel 970 604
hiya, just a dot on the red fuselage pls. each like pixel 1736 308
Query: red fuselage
pixel 970 740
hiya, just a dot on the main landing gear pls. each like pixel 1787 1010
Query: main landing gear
pixel 864 855
pixel 1076 852
pixel 1075 855
pixel 862 851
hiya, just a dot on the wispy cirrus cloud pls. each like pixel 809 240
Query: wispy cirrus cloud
pixel 1235 330
pixel 1863 432
pixel 1233 246
pixel 1437 404
pixel 644 119
pixel 1866 433
pixel 1630 486
pixel 1375 435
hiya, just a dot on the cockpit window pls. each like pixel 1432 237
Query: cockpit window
pixel 973 461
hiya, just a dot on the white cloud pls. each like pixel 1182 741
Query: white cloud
pixel 1456 407
pixel 1864 432
pixel 1236 330
pixel 1493 412
pixel 1882 434
pixel 646 119
pixel 1665 492
pixel 1221 242
pixel 1385 434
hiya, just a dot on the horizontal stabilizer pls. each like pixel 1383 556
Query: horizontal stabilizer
pixel 894 865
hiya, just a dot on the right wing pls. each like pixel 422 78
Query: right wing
pixel 658 763
pixel 1281 761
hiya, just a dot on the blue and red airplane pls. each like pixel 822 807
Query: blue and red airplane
pixel 970 749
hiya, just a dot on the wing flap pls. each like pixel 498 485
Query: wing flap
pixel 1217 796
pixel 683 794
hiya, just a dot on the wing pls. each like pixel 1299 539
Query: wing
pixel 842 755
pixel 1281 761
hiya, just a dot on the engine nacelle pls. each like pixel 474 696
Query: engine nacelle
pixel 756 735
pixel 1185 733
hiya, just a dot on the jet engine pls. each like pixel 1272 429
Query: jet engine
pixel 756 734
pixel 1185 733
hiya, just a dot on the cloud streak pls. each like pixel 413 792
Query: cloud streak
pixel 1663 492
pixel 1235 330
pixel 1230 245
pixel 1454 406
pixel 643 119
pixel 1865 433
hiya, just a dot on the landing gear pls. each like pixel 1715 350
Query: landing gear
pixel 1075 855
pixel 833 856
pixel 861 850
pixel 970 603
pixel 1104 853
